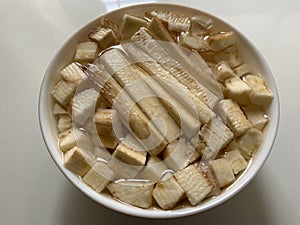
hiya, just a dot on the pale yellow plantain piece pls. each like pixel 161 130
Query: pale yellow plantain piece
pixel 65 133
pixel 256 116
pixel 179 154
pixel 222 71
pixel 109 127
pixel 204 22
pixel 234 117
pixel 105 22
pixel 233 145
pixel 130 24
pixel 219 41
pixel 223 171
pixel 168 193
pixel 74 138
pixel 250 141
pixel 128 159
pixel 86 52
pixel 216 190
pixel 238 90
pixel 194 41
pixel 216 135
pixel 58 110
pixel 230 55
pixel 106 141
pixel 175 21
pixel 204 75
pixel 105 37
pixel 129 155
pixel 64 123
pixel 107 121
pixel 63 92
pixel 72 73
pixel 236 160
pixel 99 176
pixel 159 31
pixel 194 183
pixel 83 105
pixel 261 93
pixel 198 143
pixel 136 193
pixel 67 142
pixel 78 160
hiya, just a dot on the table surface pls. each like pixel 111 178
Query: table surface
pixel 33 190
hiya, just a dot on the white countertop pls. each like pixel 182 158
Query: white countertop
pixel 33 190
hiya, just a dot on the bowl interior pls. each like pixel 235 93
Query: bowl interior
pixel 249 54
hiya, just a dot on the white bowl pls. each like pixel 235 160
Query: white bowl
pixel 250 54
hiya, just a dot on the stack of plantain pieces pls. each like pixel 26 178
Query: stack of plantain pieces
pixel 130 78
pixel 133 118
pixel 167 64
